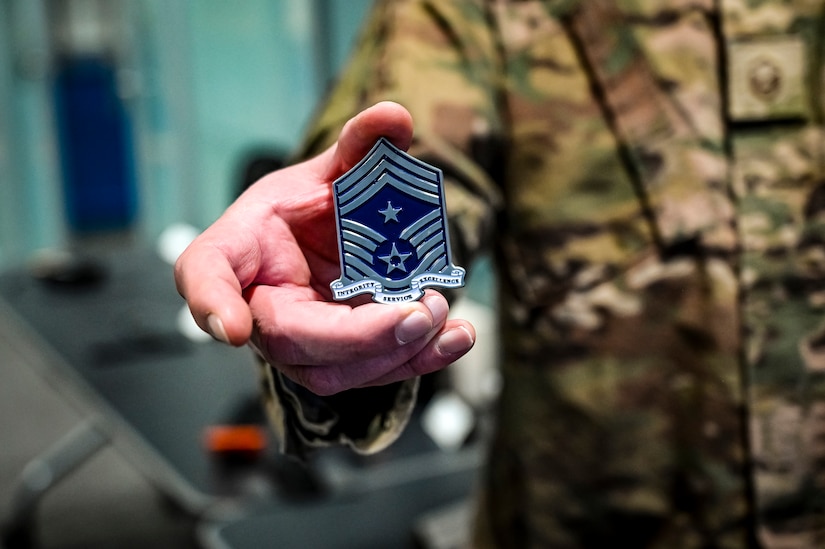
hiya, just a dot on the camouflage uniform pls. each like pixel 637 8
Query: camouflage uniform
pixel 649 176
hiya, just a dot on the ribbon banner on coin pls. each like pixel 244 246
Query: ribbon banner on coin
pixel 392 228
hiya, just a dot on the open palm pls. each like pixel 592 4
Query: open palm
pixel 260 274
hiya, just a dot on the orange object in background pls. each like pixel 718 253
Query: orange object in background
pixel 248 440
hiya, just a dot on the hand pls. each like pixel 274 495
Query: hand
pixel 260 275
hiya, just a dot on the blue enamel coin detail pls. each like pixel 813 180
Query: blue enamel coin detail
pixel 392 228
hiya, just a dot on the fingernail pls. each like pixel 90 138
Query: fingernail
pixel 216 328
pixel 457 340
pixel 416 325
pixel 437 305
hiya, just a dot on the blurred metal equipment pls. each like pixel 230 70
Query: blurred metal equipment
pixel 110 345
pixel 44 472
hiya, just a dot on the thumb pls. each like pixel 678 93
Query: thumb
pixel 359 134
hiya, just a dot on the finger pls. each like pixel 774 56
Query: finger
pixel 296 328
pixel 428 355
pixel 359 134
pixel 454 341
pixel 330 347
pixel 207 281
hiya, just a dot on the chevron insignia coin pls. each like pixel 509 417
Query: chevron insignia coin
pixel 392 228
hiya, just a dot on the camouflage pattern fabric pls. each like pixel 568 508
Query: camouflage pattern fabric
pixel 649 176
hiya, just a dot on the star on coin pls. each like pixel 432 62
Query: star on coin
pixel 390 213
pixel 395 260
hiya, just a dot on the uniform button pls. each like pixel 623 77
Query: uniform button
pixel 765 78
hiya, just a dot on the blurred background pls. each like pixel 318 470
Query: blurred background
pixel 137 114
pixel 127 126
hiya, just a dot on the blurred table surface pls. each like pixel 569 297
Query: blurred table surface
pixel 434 511
pixel 111 343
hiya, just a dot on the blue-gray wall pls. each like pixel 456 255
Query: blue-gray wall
pixel 205 82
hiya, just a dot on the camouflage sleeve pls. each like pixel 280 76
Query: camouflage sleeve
pixel 439 60
pixel 367 420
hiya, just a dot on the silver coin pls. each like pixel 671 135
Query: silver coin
pixel 391 221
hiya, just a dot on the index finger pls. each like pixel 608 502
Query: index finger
pixel 207 280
